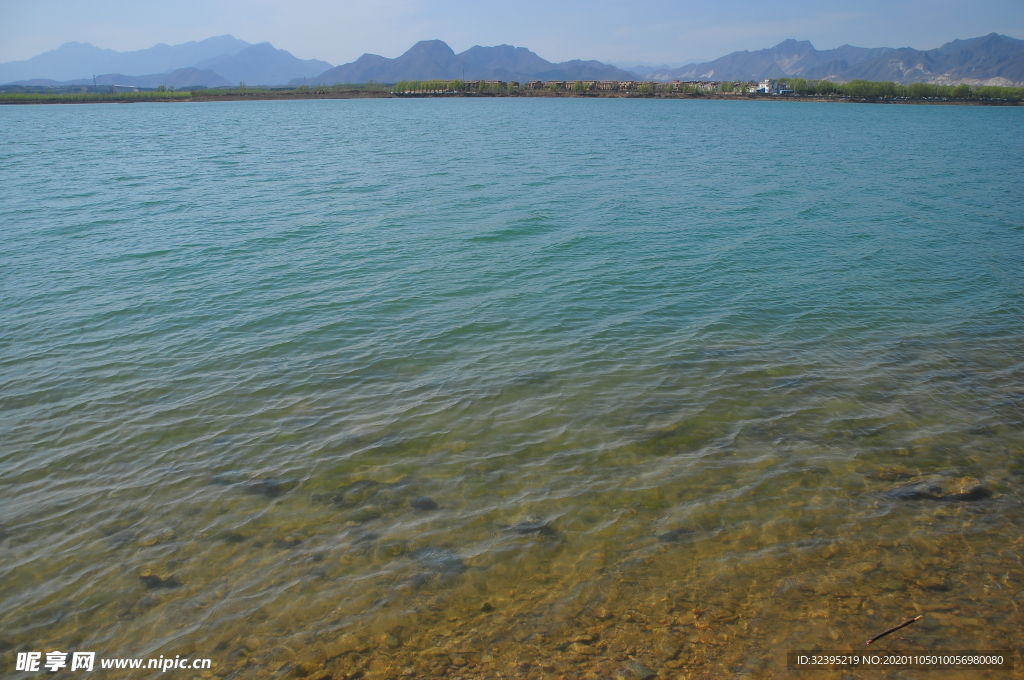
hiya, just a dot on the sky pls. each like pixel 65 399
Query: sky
pixel 653 31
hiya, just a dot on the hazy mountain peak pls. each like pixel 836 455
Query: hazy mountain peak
pixel 431 47
pixel 81 60
pixel 508 57
pixel 430 59
pixel 263 64
pixel 979 60
pixel 793 44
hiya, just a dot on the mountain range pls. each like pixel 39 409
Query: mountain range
pixel 181 78
pixel 435 59
pixel 215 62
pixel 74 60
pixel 225 61
pixel 991 59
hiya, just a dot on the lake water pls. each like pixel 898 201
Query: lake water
pixel 510 388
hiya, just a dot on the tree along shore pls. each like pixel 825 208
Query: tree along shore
pixel 800 90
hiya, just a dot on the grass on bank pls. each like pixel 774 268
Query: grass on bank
pixel 29 95
pixel 80 97
pixel 371 86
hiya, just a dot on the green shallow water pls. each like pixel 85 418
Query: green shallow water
pixel 532 388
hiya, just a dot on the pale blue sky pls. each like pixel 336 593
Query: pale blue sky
pixel 339 31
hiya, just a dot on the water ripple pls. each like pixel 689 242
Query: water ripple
pixel 625 349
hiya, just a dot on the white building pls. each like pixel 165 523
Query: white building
pixel 769 86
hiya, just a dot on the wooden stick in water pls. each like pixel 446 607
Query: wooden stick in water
pixel 893 630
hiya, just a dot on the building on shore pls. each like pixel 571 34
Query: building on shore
pixel 771 86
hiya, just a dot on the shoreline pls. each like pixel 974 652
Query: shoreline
pixel 364 94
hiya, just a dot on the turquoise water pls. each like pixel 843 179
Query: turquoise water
pixel 530 387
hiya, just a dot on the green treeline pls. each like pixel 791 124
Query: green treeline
pixel 429 86
pixel 449 87
pixel 369 86
pixel 867 88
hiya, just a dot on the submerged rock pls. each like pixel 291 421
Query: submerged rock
pixel 424 503
pixel 366 514
pixel 271 488
pixel 532 525
pixel 288 542
pixel 940 488
pixel 916 491
pixel 676 535
pixel 439 560
pixel 357 493
pixel 892 473
pixel 967 489
pixel 152 579
pixel 936 583
pixel 635 671
pixel 233 537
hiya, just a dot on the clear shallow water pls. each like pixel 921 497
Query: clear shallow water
pixel 657 364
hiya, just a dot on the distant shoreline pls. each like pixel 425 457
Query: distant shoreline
pixel 365 94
